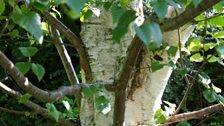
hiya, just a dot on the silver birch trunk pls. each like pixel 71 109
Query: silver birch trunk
pixel 105 61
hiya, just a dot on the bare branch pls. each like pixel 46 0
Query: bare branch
pixel 36 92
pixel 35 107
pixel 66 60
pixel 188 15
pixel 13 111
pixel 73 39
pixel 199 114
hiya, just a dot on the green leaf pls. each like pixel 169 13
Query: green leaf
pixel 117 12
pixel 89 91
pixel 184 123
pixel 221 99
pixel 211 59
pixel 38 70
pixel 172 51
pixel 28 51
pixel 53 111
pixel 219 34
pixel 150 34
pixel 124 3
pixel 210 95
pixel 220 50
pixel 2 6
pixel 76 6
pixel 208 46
pixel 31 22
pixel 204 79
pixel 155 65
pixel 217 22
pixel 195 44
pixel 196 2
pixel 42 5
pixel 24 98
pixel 160 7
pixel 24 67
pixel 216 89
pixel 159 116
pixel 123 23
pixel 196 58
pixel 102 104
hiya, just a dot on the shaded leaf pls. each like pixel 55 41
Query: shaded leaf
pixel 123 23
pixel 24 67
pixel 76 6
pixel 184 123
pixel 150 34
pixel 102 104
pixel 89 91
pixel 155 65
pixel 160 7
pixel 210 95
pixel 53 111
pixel 28 51
pixel 38 70
pixel 2 6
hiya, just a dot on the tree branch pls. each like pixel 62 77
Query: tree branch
pixel 66 60
pixel 199 114
pixel 188 15
pixel 73 39
pixel 35 107
pixel 36 92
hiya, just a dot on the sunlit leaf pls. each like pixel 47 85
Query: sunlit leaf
pixel 24 67
pixel 159 116
pixel 217 21
pixel 208 46
pixel 24 98
pixel 196 58
pixel 124 3
pixel 195 44
pixel 31 22
pixel 38 70
pixel 219 34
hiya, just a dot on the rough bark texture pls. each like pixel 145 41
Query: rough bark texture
pixel 105 58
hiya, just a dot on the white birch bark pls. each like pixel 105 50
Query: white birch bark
pixel 104 56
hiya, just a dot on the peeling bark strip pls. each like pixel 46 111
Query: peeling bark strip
pixel 73 39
